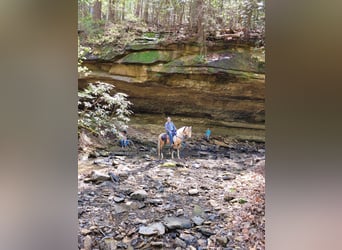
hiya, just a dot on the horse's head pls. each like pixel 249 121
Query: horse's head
pixel 187 132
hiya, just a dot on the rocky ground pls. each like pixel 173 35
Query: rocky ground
pixel 212 198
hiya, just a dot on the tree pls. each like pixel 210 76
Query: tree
pixel 97 10
pixel 146 11
pixel 100 111
pixel 197 18
pixel 111 10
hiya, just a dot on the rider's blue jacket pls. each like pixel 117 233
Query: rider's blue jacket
pixel 170 127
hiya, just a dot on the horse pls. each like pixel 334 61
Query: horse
pixel 182 133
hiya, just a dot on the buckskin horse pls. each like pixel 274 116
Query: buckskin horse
pixel 182 133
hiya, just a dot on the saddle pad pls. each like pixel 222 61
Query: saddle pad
pixel 164 137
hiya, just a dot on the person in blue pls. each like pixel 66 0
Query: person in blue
pixel 170 129
pixel 123 139
pixel 207 134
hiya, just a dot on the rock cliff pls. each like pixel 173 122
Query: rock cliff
pixel 228 85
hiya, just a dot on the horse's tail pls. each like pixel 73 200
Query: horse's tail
pixel 158 149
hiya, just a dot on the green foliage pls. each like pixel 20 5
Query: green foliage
pixel 200 59
pixel 82 51
pixel 150 34
pixel 151 56
pixel 242 201
pixel 128 15
pixel 93 29
pixel 101 112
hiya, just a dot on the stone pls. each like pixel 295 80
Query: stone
pixel 228 177
pixel 180 164
pixel 221 144
pixel 139 195
pixel 206 231
pixel 249 161
pixel 202 243
pixel 97 176
pixel 228 197
pixel 173 222
pixel 104 153
pixel 180 243
pixel 188 238
pixel 121 245
pixel 85 231
pixel 196 165
pixel 193 191
pixel 115 163
pixel 135 205
pixel 87 242
pixel 119 199
pixel 155 228
pixel 198 211
pixel 140 221
pixel 155 201
pixel 118 208
pixel 222 240
pixel 157 243
pixel 147 158
pixel 179 212
pixel 93 154
pixel 197 220
pixel 203 153
pixel 169 164
pixel 109 244
pixel 213 203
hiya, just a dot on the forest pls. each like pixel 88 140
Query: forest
pixel 199 20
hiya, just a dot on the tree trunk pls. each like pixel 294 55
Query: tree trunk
pixel 123 11
pixel 180 17
pixel 200 21
pixel 111 10
pixel 97 10
pixel 156 18
pixel 138 9
pixel 146 11
pixel 195 15
pixel 201 31
pixel 152 13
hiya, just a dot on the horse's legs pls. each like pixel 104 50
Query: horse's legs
pixel 160 149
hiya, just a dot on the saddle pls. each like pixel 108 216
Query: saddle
pixel 164 137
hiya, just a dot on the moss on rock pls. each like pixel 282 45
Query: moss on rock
pixel 148 57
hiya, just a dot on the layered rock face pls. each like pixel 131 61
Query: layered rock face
pixel 228 85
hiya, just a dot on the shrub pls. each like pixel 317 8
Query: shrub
pixel 101 112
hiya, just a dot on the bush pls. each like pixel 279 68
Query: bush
pixel 101 112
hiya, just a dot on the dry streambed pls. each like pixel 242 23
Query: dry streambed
pixel 213 201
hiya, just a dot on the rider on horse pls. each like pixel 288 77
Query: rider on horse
pixel 170 129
